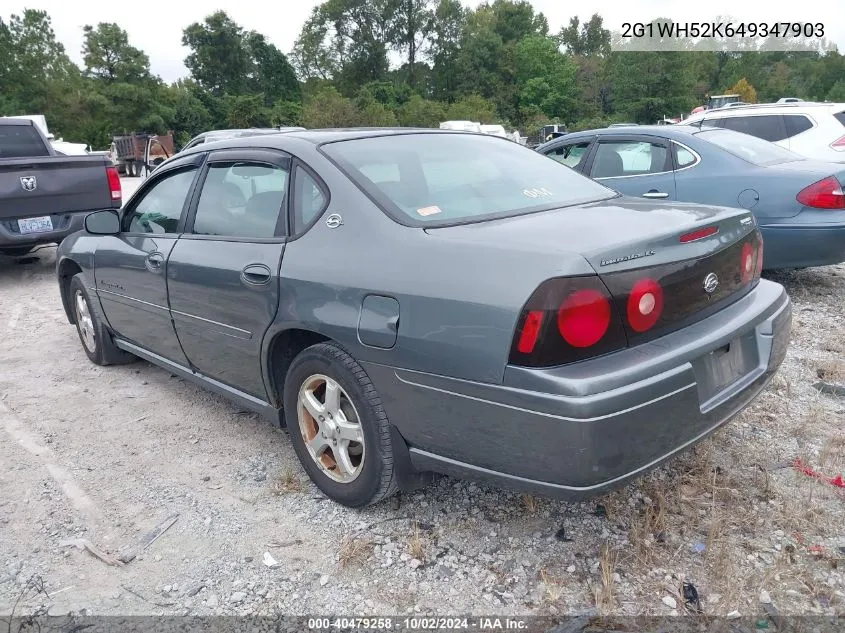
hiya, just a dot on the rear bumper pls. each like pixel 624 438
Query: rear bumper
pixel 802 246
pixel 63 225
pixel 576 431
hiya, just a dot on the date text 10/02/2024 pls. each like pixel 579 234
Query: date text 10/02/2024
pixel 419 624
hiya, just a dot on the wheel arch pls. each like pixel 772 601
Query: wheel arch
pixel 281 348
pixel 67 269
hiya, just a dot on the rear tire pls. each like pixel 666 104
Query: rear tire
pixel 90 326
pixel 353 472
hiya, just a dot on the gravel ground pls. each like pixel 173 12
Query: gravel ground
pixel 108 454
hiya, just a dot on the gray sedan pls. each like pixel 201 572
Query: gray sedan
pixel 410 302
pixel 799 204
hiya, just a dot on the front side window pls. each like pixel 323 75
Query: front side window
pixel 628 158
pixel 749 148
pixel 308 200
pixel 442 178
pixel 768 127
pixel 570 155
pixel 241 199
pixel 160 207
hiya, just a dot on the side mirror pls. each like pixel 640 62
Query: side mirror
pixel 103 222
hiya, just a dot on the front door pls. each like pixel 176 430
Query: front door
pixel 223 273
pixel 131 268
pixel 639 167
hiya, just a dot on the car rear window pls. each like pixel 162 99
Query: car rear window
pixel 21 141
pixel 437 178
pixel 749 148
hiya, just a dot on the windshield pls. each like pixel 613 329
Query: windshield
pixel 749 148
pixel 425 179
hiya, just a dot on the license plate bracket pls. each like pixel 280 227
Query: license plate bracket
pixel 717 371
pixel 41 224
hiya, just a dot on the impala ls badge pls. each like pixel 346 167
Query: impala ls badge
pixel 711 282
pixel 334 221
pixel 28 183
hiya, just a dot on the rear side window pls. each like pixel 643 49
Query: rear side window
pixel 768 127
pixel 683 157
pixel 570 155
pixel 796 124
pixel 21 141
pixel 442 178
pixel 241 200
pixel 628 158
pixel 840 116
pixel 160 207
pixel 308 200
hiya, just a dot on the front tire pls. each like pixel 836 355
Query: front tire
pixel 90 325
pixel 338 426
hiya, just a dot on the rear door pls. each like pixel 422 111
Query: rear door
pixel 131 268
pixel 635 165
pixel 223 274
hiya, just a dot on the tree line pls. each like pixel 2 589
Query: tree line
pixel 384 63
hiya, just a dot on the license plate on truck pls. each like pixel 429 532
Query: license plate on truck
pixel 35 225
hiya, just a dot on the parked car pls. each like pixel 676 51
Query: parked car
pixel 45 195
pixel 814 130
pixel 417 301
pixel 219 135
pixel 799 203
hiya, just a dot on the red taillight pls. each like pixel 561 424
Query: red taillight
pixel 839 145
pixel 824 194
pixel 645 305
pixel 567 319
pixel 114 183
pixel 530 331
pixel 699 234
pixel 747 262
pixel 584 317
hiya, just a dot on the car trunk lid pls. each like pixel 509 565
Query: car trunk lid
pixel 693 252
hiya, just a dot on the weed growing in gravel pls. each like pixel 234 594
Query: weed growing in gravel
pixel 553 587
pixel 355 551
pixel 531 503
pixel 285 482
pixel 416 543
pixel 604 592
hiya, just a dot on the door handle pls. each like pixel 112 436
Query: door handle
pixel 256 275
pixel 154 262
pixel 655 194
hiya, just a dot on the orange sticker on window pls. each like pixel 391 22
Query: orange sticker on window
pixel 429 210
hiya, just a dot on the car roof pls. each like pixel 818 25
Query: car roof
pixel 318 137
pixel 669 131
pixel 15 121
pixel 330 135
pixel 766 108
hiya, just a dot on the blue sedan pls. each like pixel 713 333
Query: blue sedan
pixel 799 204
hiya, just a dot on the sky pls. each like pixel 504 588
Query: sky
pixel 155 26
